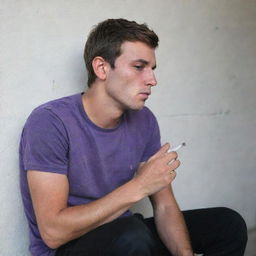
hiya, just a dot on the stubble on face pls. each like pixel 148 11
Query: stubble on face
pixel 129 84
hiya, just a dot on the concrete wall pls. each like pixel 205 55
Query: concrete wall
pixel 205 95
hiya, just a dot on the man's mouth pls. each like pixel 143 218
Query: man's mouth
pixel 144 95
pixel 146 92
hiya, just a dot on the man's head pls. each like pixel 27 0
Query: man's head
pixel 106 39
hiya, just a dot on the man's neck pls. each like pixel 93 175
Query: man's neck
pixel 99 108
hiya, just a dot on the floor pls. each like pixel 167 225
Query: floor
pixel 251 245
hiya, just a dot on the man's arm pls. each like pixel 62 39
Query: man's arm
pixel 170 223
pixel 58 223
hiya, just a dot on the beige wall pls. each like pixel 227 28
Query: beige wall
pixel 205 95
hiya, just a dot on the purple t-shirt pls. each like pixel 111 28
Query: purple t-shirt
pixel 58 137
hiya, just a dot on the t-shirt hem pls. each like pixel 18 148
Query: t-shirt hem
pixel 44 168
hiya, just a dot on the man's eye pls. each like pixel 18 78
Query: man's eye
pixel 138 67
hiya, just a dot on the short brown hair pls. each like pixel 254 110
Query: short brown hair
pixel 106 38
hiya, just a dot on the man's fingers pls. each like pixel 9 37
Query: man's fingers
pixel 170 157
pixel 161 151
pixel 174 164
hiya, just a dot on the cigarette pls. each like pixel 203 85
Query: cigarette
pixel 183 144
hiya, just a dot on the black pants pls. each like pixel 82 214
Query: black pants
pixel 213 232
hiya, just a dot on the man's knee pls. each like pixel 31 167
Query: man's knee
pixel 234 229
pixel 135 239
pixel 237 226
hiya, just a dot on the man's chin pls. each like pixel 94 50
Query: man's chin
pixel 135 106
pixel 138 107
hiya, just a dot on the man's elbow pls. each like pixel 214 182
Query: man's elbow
pixel 52 244
pixel 52 238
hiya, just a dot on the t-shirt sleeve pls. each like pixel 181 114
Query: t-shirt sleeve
pixel 44 143
pixel 154 142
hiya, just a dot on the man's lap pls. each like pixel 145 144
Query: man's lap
pixel 211 230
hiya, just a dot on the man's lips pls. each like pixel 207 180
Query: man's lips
pixel 145 95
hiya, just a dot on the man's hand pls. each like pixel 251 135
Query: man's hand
pixel 158 172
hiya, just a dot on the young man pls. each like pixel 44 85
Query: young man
pixel 79 156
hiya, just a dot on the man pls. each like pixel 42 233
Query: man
pixel 79 156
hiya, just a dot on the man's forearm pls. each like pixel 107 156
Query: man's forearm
pixel 173 232
pixel 171 225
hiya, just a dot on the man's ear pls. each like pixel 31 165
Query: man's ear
pixel 100 67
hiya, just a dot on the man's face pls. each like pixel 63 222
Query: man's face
pixel 129 84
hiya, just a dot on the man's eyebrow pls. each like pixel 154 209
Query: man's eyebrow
pixel 145 62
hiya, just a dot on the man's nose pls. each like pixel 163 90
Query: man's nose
pixel 151 80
